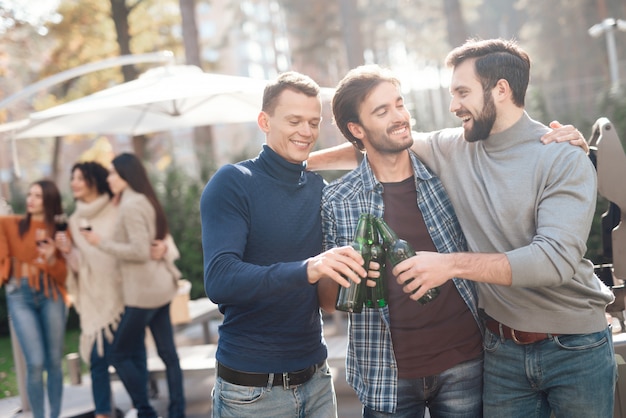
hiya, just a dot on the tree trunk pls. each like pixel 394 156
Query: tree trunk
pixel 455 24
pixel 190 32
pixel 119 12
pixel 351 32
pixel 203 135
pixel 56 156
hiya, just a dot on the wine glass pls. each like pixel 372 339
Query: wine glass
pixel 83 224
pixel 40 239
pixel 60 221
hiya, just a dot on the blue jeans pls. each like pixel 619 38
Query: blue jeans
pixel 100 379
pixel 313 399
pixel 39 324
pixel 128 356
pixel 571 375
pixel 454 393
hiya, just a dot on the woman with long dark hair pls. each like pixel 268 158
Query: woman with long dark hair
pixel 34 273
pixel 148 285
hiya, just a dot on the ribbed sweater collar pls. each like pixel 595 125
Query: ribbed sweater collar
pixel 91 209
pixel 277 167
pixel 520 131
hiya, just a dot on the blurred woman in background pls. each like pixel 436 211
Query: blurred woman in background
pixel 148 285
pixel 34 274
pixel 94 282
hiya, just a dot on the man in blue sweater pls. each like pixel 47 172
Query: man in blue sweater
pixel 262 239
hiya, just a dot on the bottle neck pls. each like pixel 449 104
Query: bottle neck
pixel 387 234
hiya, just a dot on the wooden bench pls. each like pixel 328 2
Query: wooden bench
pixel 194 360
pixel 201 311
pixel 199 360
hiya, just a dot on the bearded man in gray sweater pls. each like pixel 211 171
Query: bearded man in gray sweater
pixel 526 210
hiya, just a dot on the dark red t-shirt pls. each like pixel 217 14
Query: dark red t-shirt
pixel 427 339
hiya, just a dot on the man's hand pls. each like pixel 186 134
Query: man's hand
pixel 562 133
pixel 337 264
pixel 422 272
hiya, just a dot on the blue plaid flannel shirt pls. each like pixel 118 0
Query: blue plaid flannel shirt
pixel 370 364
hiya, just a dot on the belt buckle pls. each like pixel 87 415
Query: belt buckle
pixel 516 340
pixel 286 381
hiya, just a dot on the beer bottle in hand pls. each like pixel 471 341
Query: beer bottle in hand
pixel 398 250
pixel 377 295
pixel 351 299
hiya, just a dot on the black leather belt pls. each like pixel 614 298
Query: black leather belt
pixel 261 379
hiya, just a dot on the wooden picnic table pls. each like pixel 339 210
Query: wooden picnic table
pixel 201 311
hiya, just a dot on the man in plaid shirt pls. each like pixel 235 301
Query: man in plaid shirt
pixel 405 357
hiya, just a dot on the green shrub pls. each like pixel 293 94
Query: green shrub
pixel 180 196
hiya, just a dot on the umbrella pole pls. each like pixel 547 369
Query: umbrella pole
pixel 16 163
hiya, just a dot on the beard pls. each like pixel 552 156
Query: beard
pixel 380 141
pixel 483 123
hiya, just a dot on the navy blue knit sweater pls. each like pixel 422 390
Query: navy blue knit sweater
pixel 260 222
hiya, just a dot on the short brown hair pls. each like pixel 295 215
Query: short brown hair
pixel 289 80
pixel 351 91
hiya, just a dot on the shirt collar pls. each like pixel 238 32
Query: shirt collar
pixel 370 182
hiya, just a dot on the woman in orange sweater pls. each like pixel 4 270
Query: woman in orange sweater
pixel 34 273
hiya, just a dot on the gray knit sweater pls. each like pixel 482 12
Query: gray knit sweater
pixel 535 203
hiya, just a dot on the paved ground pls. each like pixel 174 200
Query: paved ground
pixel 77 399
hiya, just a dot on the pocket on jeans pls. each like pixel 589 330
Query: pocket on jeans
pixel 239 395
pixel 578 342
pixel 325 370
pixel 12 286
pixel 491 341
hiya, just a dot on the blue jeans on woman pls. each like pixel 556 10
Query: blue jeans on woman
pixel 453 393
pixel 100 379
pixel 128 356
pixel 39 324
pixel 572 376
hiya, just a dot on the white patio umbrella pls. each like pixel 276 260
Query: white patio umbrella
pixel 163 98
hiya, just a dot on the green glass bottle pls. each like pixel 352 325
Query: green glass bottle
pixel 399 250
pixel 371 230
pixel 377 295
pixel 351 299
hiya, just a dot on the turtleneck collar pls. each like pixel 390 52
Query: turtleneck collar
pixel 281 169
pixel 91 209
pixel 519 132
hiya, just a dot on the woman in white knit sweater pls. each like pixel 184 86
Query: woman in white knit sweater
pixel 148 285
pixel 94 281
